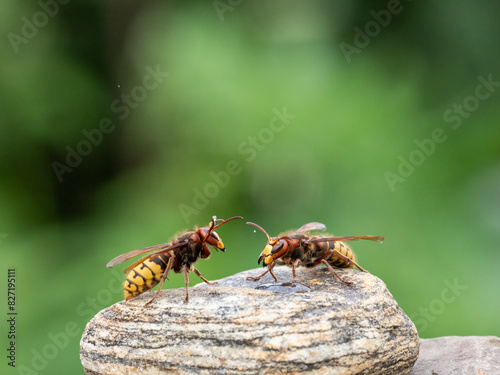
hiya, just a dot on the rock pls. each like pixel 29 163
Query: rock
pixel 315 326
pixel 472 355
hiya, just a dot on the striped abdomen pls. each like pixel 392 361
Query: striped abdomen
pixel 144 276
pixel 335 259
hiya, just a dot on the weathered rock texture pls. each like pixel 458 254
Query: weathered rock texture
pixel 472 355
pixel 317 326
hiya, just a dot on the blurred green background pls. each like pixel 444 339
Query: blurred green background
pixel 120 119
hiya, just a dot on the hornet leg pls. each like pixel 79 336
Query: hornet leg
pixel 186 280
pixel 269 269
pixel 342 256
pixel 322 259
pixel 205 280
pixel 350 261
pixel 332 271
pixel 164 276
pixel 294 264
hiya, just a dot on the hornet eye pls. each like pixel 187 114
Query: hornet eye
pixel 277 248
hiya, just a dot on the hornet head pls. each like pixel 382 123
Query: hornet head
pixel 210 236
pixel 275 248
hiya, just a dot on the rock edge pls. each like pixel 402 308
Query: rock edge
pixel 316 326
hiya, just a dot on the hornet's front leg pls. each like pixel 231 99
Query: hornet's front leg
pixel 270 267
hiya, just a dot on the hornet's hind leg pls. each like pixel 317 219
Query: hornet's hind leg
pixel 163 277
pixel 325 256
pixel 342 256
pixel 332 271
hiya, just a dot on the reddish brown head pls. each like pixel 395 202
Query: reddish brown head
pixel 208 235
pixel 275 247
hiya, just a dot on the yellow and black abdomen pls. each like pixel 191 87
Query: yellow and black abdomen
pixel 335 259
pixel 144 276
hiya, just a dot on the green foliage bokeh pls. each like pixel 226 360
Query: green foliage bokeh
pixel 356 122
